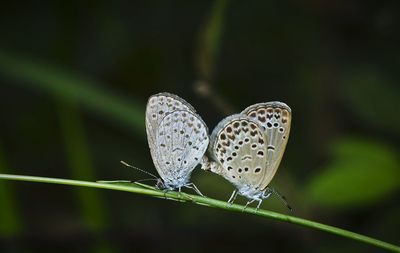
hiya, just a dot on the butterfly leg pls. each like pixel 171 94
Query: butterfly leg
pixel 267 193
pixel 259 204
pixel 248 203
pixel 194 187
pixel 160 185
pixel 232 198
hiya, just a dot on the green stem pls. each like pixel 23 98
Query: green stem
pixel 137 188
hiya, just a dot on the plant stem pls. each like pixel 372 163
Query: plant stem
pixel 183 197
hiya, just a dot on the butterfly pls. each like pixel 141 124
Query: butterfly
pixel 177 137
pixel 247 148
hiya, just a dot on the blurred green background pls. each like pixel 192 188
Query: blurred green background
pixel 75 77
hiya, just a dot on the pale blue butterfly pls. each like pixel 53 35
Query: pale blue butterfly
pixel 177 137
pixel 247 148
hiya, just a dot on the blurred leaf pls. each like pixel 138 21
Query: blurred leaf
pixel 209 43
pixel 210 40
pixel 64 85
pixel 373 96
pixel 361 172
pixel 10 216
pixel 81 166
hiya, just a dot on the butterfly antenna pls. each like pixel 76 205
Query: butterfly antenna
pixel 147 179
pixel 136 168
pixel 282 198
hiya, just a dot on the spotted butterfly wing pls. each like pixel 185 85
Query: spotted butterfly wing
pixel 177 138
pixel 238 146
pixel 275 118
pixel 157 107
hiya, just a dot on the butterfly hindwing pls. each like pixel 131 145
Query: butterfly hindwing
pixel 177 137
pixel 160 105
pixel 238 145
pixel 181 141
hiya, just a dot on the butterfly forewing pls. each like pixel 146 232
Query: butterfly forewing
pixel 275 118
pixel 181 141
pixel 160 105
pixel 238 145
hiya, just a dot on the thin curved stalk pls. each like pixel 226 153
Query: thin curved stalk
pixel 183 197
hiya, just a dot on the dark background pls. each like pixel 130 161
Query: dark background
pixel 75 78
